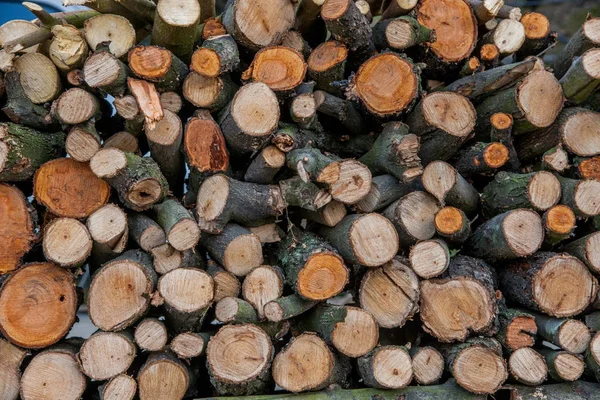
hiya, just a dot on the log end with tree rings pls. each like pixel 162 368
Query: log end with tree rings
pixel 574 336
pixel 540 98
pixel 479 369
pixel 151 334
pixel 388 367
pixel 443 299
pixel 106 354
pixel 67 242
pixel 150 62
pixel 428 365
pixel 206 62
pixel 280 68
pixel 559 220
pixel 543 190
pixel 187 290
pixel 38 305
pixel 76 106
pixel 439 178
pixel 101 69
pixel 373 239
pixel 349 180
pixel 520 332
pixel 120 387
pixel 107 163
pixel 413 216
pixel 110 28
pixel 323 276
pixel 567 367
pixel 81 144
pixel 17 228
pixel 262 285
pixel 255 109
pixel 39 77
pixel 188 345
pixel 450 112
pixel 326 56
pixel 537 26
pixel 528 366
pixel 387 84
pixel 508 36
pixel 429 258
pixel 201 91
pixel 523 232
pixel 357 335
pixel 163 376
pixel 580 133
pixel 495 155
pixel 447 17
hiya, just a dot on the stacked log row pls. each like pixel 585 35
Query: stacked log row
pixel 381 199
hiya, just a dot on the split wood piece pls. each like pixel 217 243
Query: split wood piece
pixel 148 100
pixel 588 168
pixel 327 64
pixel 351 330
pixel 287 307
pixel 592 357
pixel 189 344
pixel 107 354
pixel 281 68
pixel 429 258
pixel 386 367
pixel 349 180
pixel 534 103
pixel 15 29
pixel 586 249
pixel 171 101
pixel 570 335
pixel 187 294
pixel 559 224
pixel 513 234
pixel 365 239
pixel 108 229
pixel 39 77
pixel 452 224
pixel 226 283
pixel 583 77
pixel 239 18
pixel 311 266
pixel 53 374
pixel 105 71
pixel 10 366
pixel 123 141
pixel 557 160
pixel 562 366
pixel 517 329
pixel 76 106
pixel 38 305
pixel 307 363
pixel 137 180
pixel 163 376
pixel 217 55
pixel 268 233
pixel 178 224
pixel 390 293
pixel 489 56
pixel 166 259
pixel 581 196
pixel 329 215
pixel 308 22
pixel 175 26
pixel 385 189
pixel 558 285
pixel 66 242
pixel 509 12
pixel 386 84
pixel 344 111
pixel 83 141
pixel 212 27
pixel 262 285
pixel 110 28
pixel 307 195
pixel 303 111
pixel 238 358
pixel 491 80
pixel 450 188
pixel 395 8
pixel 81 192
pixel 528 366
pixel 587 37
pixel 159 65
pixel 151 334
pixel 428 365
pixel 250 119
pixel 265 165
pixel 444 121
pixel 401 33
pixel 413 217
pixel 145 231
pixel 395 151
pixel 347 25
pixel 68 48
pixel 237 249
pixel 481 158
pixel 120 291
pixel 222 199
pixel 508 191
pixel 23 150
pixel 236 311
pixel 17 230
pixel 508 36
pixel 477 365
pixel 467 291
pixel 538 36
pixel 120 387
pixel 485 10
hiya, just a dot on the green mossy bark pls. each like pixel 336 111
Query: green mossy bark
pixel 293 305
pixel 508 191
pixel 297 193
pixel 578 248
pixel 321 319
pixel 245 314
pixel 418 33
pixel 553 370
pixel 578 390
pixel 169 213
pixel 471 161
pixel 227 50
pixel 178 39
pixel 577 84
pixel 579 43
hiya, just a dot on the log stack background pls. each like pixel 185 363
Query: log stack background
pixel 370 199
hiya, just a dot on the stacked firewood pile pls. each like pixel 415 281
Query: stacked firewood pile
pixel 298 197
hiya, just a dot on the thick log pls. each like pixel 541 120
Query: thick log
pixel 151 334
pixel 428 365
pixel 163 376
pixel 39 77
pixel 175 26
pixel 413 217
pixel 110 28
pixel 189 345
pixel 17 230
pixel 66 242
pixel 106 72
pixel 226 284
pixel 562 366
pixel 178 224
pixel 450 188
pixel 289 64
pixel 527 366
pixel 145 231
pixel 68 48
pixel 538 36
pixel 429 258
pixel 386 367
pixel 262 285
pixel 327 64
pixel 218 55
pixel 452 224
pixel 517 329
pixel 481 158
pixel 582 78
pixel 570 335
pixel 559 224
pixel 508 36
pixel 580 196
pixel 587 37
pixel 236 248
pixel 159 65
pixel 107 354
pixel 235 311
pixel 120 387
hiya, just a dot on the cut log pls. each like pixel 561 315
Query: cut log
pixel 489 54
pixel 108 229
pixel 559 224
pixel 262 285
pixel 327 64
pixel 218 55
pixel 401 33
pixel 237 249
pixel 585 38
pixel 110 28
pixel 562 366
pixel 120 387
pixel 38 305
pixel 485 10
pixel 586 249
pixel 163 376
pixel 106 72
pixel 137 180
pixel 385 189
pixel 106 354
pixel 538 36
pixel 444 122
pixel 513 234
pixel 329 215
pixel 175 26
pixel 76 106
pixel 580 195
pixel 428 365
pixel 429 258
pixel 287 307
pixel 120 291
pixel 588 168
pixel 343 110
pixel 159 65
pixel 265 165
pixel 592 356
pixel 171 101
pixel 238 358
pixel 17 232
pixel 450 188
pixel 212 27
pixel 303 111
pixel 386 367
pixel 452 224
pixel 583 77
pixel 53 374
pixel 145 231
pixel 226 284
pixel 66 242
pixel 178 224
pixel 413 217
pixel 394 8
pixel 83 142
pixel 235 311
pixel 189 345
pixel 187 294
pixel 268 233
pixel 16 29
pixel 559 285
pixel 39 77
pixel 509 12
pixel 570 335
pixel 311 266
pixel 151 334
pixel 528 366
pixel 166 259
pixel 10 365
pixel 517 329
pixel 508 36
pixel 281 68
pixel 306 363
pixel 482 158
